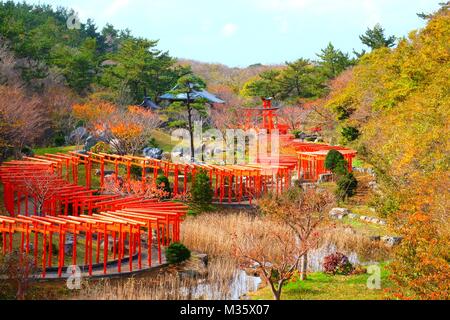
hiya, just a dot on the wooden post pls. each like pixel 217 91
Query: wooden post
pixel 114 245
pixel 105 249
pixel 50 249
pixel 149 244
pixel 74 247
pixel 97 258
pixel 44 251
pixel 90 249
pixel 119 262
pixel 176 174
pixel 139 249
pixel 158 238
pixel 130 248
pixel 27 250
pixel 36 238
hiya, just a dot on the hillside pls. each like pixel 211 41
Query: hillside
pixel 394 108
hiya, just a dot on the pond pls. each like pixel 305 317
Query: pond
pixel 240 285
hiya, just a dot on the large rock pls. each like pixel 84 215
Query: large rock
pixel 153 153
pixel 91 141
pixel 339 212
pixel 392 241
pixel 203 259
pixel 326 177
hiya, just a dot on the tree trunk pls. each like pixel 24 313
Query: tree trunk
pixel 191 131
pixel 304 267
pixel 277 295
pixel 191 134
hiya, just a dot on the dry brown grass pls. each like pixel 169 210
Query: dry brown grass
pixel 347 240
pixel 213 234
pixel 169 285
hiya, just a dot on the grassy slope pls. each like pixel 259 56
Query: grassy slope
pixel 53 150
pixel 164 140
pixel 321 286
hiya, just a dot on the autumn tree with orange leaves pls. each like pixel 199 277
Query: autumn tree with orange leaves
pixel 128 130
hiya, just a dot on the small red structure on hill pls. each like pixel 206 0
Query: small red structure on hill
pixel 269 117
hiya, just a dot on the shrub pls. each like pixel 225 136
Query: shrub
pixel 333 159
pixel 153 143
pixel 59 140
pixel 163 183
pixel 297 133
pixel 177 253
pixel 136 172
pixel 350 133
pixel 202 193
pixel 26 150
pixel 337 263
pixel 346 186
pixel 335 162
pixel 101 147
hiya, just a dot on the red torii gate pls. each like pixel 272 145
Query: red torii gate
pixel 114 217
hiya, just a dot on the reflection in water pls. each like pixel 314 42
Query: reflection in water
pixel 240 285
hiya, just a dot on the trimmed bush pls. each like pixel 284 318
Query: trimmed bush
pixel 337 263
pixel 59 139
pixel 136 172
pixel 164 180
pixel 177 253
pixel 297 133
pixel 202 193
pixel 346 186
pixel 333 159
pixel 350 133
pixel 335 162
pixel 101 147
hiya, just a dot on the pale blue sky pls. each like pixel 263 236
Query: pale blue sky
pixel 243 32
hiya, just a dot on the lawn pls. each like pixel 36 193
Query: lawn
pixel 53 150
pixel 164 140
pixel 321 286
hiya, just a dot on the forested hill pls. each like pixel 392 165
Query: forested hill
pixel 216 74
pixel 46 44
pixel 394 107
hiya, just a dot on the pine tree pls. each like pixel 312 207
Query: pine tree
pixel 333 61
pixel 375 38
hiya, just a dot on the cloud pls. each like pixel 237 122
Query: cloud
pixel 229 30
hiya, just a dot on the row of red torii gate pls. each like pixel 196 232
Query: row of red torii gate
pixel 57 198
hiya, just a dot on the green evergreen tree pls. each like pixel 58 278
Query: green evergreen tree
pixel 186 85
pixel 301 79
pixel 202 193
pixel 333 61
pixel 375 38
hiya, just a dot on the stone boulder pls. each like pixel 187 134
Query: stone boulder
pixel 339 212
pixel 326 177
pixel 203 259
pixel 392 241
pixel 153 153
pixel 91 141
